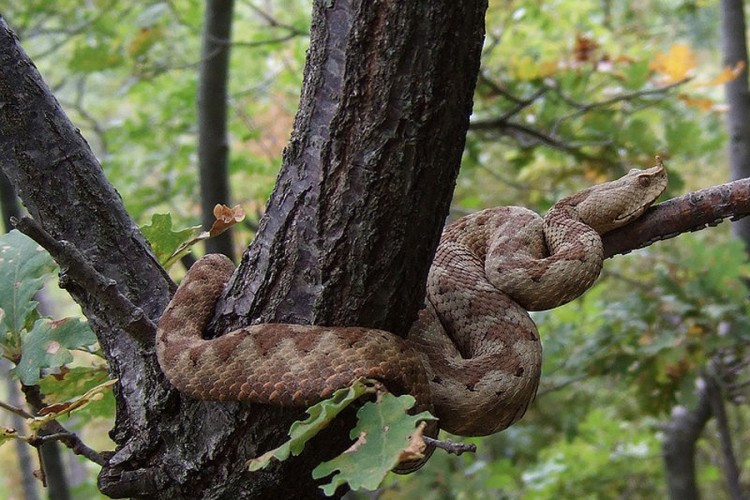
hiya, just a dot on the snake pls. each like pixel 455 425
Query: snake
pixel 473 356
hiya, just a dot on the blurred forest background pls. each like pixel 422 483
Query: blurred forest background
pixel 643 374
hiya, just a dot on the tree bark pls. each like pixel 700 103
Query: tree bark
pixel 213 144
pixel 375 151
pixel 8 202
pixel 734 47
pixel 678 448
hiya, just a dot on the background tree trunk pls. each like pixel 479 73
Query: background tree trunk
pixel 213 144
pixel 26 464
pixel 678 448
pixel 734 47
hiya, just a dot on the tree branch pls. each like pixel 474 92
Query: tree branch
pixel 450 446
pixel 689 212
pixel 522 133
pixel 15 410
pixel 74 266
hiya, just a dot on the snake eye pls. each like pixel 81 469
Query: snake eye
pixel 644 180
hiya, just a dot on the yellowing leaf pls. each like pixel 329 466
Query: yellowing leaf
pixel 676 64
pixel 704 104
pixel 727 74
pixel 7 434
pixel 526 68
pixel 143 41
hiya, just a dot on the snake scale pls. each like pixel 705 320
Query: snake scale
pixel 473 356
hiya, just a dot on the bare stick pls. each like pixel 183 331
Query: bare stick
pixel 450 446
pixel 13 409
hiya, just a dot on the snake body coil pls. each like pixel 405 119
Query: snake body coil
pixel 474 354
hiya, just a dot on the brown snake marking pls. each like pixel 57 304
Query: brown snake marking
pixel 473 356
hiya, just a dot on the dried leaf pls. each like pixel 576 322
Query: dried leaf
pixel 727 74
pixel 52 412
pixel 704 104
pixel 225 218
pixel 416 447
pixel 584 49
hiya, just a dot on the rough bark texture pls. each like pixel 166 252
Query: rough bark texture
pixel 734 47
pixel 678 448
pixel 374 155
pixel 8 202
pixel 213 146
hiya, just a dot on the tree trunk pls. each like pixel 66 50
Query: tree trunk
pixel 213 145
pixel 374 155
pixel 678 448
pixel 734 47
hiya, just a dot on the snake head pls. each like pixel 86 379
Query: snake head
pixel 614 204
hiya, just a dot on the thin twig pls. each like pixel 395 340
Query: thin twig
pixel 565 383
pixel 13 409
pixel 273 22
pixel 519 130
pixel 450 446
pixel 75 266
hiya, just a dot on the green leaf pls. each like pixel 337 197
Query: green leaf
pixel 24 267
pixel 48 345
pixel 320 415
pixel 636 75
pixel 88 58
pixel 163 238
pixel 382 433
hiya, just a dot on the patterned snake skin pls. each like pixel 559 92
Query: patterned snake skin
pixel 474 354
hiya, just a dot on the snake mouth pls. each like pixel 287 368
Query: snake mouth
pixel 632 214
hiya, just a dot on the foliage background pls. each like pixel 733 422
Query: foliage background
pixel 570 94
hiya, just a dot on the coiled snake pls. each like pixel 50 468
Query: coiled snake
pixel 474 354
